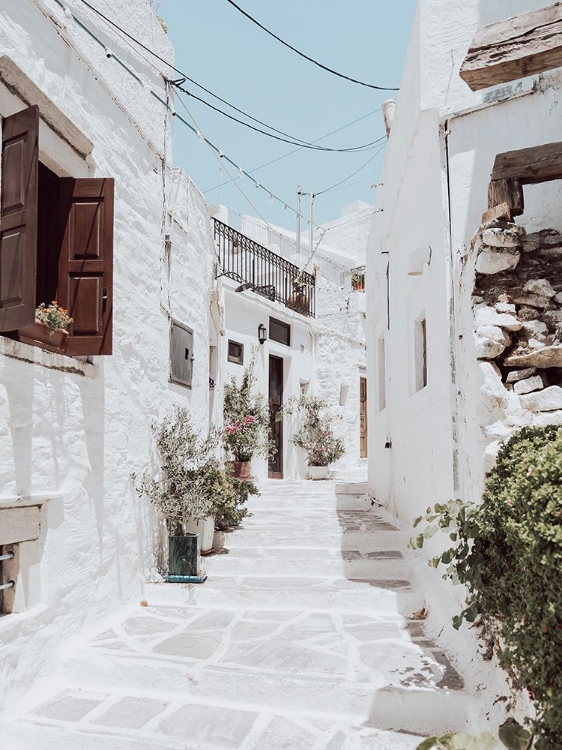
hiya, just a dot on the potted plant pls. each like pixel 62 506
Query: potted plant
pixel 229 510
pixel 315 435
pixel 185 491
pixel 51 325
pixel 246 423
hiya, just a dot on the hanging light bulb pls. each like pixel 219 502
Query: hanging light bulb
pixel 241 172
pixel 221 155
pixel 67 13
pixel 258 185
pixel 285 206
pixel 271 198
pixel 200 136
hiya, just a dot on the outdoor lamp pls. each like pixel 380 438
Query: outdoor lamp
pixel 262 333
pixel 244 287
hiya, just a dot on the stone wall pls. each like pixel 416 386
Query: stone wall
pixel 517 305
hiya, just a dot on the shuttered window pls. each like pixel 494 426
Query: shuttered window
pixel 18 219
pixel 70 259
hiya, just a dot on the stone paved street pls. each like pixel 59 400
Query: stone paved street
pixel 301 639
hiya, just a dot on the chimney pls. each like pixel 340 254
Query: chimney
pixel 388 107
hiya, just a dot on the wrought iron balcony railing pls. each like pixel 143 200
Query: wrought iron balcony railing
pixel 270 275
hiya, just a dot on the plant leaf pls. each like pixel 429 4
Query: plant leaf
pixel 515 737
pixel 427 744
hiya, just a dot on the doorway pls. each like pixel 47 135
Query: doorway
pixel 275 466
pixel 363 417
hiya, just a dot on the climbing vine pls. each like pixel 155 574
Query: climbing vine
pixel 507 551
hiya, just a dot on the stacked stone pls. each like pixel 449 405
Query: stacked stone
pixel 517 304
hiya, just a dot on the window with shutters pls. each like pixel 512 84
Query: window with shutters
pixel 279 331
pixel 235 352
pixel 56 243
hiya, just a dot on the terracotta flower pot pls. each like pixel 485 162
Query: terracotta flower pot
pixel 241 470
pixel 42 333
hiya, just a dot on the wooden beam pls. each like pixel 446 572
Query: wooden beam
pixel 514 48
pixel 530 165
pixel 506 191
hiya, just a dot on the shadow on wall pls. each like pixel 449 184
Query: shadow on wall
pixel 414 687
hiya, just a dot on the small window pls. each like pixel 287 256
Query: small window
pixel 279 331
pixel 420 354
pixel 181 355
pixel 381 355
pixel 236 352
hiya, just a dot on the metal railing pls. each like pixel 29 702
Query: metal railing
pixel 267 273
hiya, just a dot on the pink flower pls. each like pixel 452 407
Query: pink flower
pixel 323 450
pixel 250 420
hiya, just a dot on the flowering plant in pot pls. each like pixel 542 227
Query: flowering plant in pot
pixel 315 434
pixel 246 423
pixel 189 484
pixel 51 325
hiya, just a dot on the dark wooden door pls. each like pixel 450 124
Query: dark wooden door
pixel 363 417
pixel 275 427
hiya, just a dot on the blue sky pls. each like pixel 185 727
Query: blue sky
pixel 219 48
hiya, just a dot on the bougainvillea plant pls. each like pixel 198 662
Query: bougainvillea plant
pixel 246 419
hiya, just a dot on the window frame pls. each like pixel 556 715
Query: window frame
pixel 176 380
pixel 236 360
pixel 286 326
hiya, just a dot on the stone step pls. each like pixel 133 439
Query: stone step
pixel 267 501
pixel 255 536
pixel 379 564
pixel 385 597
pixel 415 701
pixel 119 721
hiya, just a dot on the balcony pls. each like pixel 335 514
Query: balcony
pixel 267 273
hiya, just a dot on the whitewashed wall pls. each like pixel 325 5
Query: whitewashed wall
pixel 428 446
pixel 73 432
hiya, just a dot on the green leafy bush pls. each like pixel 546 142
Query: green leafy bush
pixel 316 433
pixel 508 553
pixel 229 510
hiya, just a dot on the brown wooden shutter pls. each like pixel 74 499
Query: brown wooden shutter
pixel 85 283
pixel 18 219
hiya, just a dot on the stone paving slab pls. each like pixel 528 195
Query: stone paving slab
pixel 301 639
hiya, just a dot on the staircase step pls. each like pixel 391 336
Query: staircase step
pixel 120 721
pixel 293 593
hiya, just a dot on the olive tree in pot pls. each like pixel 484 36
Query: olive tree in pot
pixel 246 423
pixel 189 485
pixel 315 434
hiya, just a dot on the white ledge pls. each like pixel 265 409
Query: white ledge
pixel 26 501
pixel 51 360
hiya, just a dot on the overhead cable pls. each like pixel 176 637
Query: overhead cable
pixel 337 184
pixel 301 144
pixel 296 150
pixel 293 139
pixel 306 57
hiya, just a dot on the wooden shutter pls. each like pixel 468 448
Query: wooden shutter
pixel 18 219
pixel 85 278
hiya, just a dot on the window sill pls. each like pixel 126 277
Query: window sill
pixel 48 359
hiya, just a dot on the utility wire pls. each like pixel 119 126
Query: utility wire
pixel 306 57
pixel 203 88
pixel 301 144
pixel 296 150
pixel 337 184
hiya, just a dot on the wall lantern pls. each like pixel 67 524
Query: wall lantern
pixel 262 333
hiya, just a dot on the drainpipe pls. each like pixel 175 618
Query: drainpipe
pixel 388 107
pixel 453 354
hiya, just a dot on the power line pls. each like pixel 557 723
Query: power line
pixel 306 57
pixel 203 88
pixel 337 184
pixel 296 150
pixel 301 144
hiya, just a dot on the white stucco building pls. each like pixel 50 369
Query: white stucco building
pixel 86 139
pixel 443 394
pixel 315 343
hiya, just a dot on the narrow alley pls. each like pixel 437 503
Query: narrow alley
pixel 302 638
